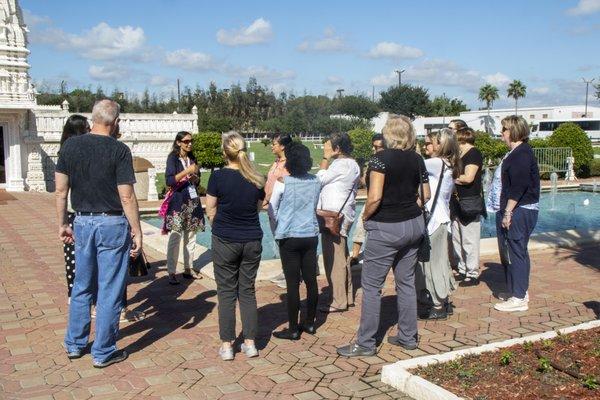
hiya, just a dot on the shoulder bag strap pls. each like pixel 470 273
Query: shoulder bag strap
pixel 439 185
pixel 423 209
pixel 347 198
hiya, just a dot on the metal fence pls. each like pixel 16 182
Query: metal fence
pixel 553 159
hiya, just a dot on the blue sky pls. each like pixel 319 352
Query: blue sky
pixel 319 46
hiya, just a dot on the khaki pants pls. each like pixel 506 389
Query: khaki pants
pixel 337 270
pixel 189 245
pixel 465 240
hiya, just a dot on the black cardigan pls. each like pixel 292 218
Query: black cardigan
pixel 520 177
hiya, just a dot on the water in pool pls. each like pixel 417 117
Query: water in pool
pixel 569 213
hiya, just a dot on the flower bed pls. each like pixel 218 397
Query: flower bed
pixel 565 367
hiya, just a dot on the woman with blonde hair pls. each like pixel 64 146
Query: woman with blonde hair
pixel 435 276
pixel 234 197
pixel 395 228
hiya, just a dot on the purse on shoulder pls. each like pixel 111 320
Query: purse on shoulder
pixel 331 221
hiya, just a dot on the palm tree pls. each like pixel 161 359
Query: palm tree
pixel 489 94
pixel 516 90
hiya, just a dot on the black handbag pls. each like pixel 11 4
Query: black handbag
pixel 424 252
pixel 470 206
pixel 139 265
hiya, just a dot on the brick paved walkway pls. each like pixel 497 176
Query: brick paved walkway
pixel 173 351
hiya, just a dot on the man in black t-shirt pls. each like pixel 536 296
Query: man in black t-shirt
pixel 98 170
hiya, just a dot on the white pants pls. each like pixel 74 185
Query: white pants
pixel 189 245
pixel 465 240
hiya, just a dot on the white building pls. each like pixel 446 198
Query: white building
pixel 30 133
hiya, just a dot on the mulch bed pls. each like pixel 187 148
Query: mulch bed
pixel 565 367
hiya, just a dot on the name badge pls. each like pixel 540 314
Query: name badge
pixel 192 191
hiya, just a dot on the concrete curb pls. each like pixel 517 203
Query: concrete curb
pixel 398 375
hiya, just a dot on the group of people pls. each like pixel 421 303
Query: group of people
pixel 414 206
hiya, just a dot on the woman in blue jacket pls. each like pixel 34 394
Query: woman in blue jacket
pixel 184 216
pixel 293 209
pixel 519 206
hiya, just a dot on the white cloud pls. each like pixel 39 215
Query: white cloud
pixel 158 80
pixel 585 7
pixel 102 42
pixel 329 43
pixel 497 79
pixel 385 80
pixel 394 51
pixel 262 73
pixel 109 73
pixel 189 60
pixel 258 31
pixel 33 20
pixel 540 90
pixel 334 80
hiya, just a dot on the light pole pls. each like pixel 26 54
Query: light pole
pixel 340 91
pixel 587 86
pixel 399 72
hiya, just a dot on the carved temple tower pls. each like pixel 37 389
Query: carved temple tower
pixel 17 95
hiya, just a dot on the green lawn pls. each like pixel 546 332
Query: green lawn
pixel 263 158
pixel 596 150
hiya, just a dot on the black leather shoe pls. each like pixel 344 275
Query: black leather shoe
pixel 287 334
pixel 354 350
pixel 468 282
pixel 449 308
pixel 437 314
pixel 309 328
pixel 396 342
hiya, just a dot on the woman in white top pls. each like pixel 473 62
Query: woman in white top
pixel 435 276
pixel 339 175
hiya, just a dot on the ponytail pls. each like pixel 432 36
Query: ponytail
pixel 234 148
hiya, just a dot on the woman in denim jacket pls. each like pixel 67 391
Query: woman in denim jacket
pixel 293 209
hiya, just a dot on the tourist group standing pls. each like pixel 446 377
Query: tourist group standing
pixel 421 219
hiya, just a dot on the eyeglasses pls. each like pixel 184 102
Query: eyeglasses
pixel 187 141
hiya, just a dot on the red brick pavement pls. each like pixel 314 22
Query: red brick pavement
pixel 173 351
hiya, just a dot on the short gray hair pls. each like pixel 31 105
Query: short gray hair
pixel 105 112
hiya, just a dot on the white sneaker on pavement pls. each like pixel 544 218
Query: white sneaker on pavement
pixel 249 350
pixel 512 304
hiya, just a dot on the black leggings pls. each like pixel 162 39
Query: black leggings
pixel 299 260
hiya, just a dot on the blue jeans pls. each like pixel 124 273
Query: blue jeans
pixel 102 245
pixel 514 247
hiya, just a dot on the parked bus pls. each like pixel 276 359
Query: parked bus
pixel 545 128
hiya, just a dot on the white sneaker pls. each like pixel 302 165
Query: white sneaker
pixel 505 296
pixel 512 304
pixel 226 353
pixel 249 350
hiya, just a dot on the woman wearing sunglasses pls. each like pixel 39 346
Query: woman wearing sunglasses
pixel 184 215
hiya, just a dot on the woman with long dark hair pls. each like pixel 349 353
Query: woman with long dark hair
pixel 74 126
pixel 184 215
pixel 293 207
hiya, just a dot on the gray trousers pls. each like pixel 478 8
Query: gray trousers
pixel 235 267
pixel 390 245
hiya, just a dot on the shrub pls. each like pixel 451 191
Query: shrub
pixel 539 143
pixel 207 150
pixel 361 140
pixel 161 185
pixel 571 135
pixel 595 167
pixel 492 149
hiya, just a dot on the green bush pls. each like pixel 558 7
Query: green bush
pixel 207 150
pixel 361 141
pixel 161 185
pixel 539 143
pixel 492 149
pixel 571 135
pixel 595 167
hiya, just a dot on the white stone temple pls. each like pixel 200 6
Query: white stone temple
pixel 30 133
